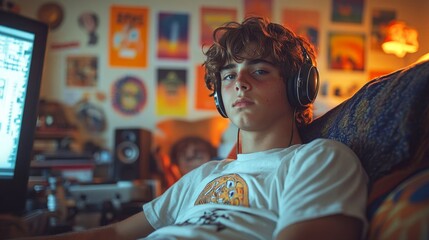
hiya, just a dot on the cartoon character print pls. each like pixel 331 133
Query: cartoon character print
pixel 228 189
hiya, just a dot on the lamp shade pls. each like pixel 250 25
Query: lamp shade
pixel 400 39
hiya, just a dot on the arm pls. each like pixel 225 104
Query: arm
pixel 131 228
pixel 334 227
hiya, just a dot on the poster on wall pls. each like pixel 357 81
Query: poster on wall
pixel 346 51
pixel 304 23
pixel 171 92
pixel 173 35
pixel 258 8
pixel 380 21
pixel 347 11
pixel 82 71
pixel 203 100
pixel 128 41
pixel 129 95
pixel 211 18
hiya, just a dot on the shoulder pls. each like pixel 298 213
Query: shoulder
pixel 325 154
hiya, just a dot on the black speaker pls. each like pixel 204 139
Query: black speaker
pixel 132 154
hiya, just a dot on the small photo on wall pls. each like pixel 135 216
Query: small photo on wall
pixel 82 71
pixel 347 11
pixel 173 36
pixel 346 51
pixel 172 92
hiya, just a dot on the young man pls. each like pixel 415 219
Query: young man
pixel 277 188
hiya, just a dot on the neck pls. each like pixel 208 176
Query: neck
pixel 257 141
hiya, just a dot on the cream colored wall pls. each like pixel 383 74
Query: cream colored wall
pixel 413 12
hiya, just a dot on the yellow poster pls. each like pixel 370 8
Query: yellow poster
pixel 171 92
pixel 128 36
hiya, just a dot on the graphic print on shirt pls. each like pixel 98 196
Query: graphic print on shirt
pixel 209 218
pixel 229 189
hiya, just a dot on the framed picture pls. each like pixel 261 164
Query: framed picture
pixel 346 51
pixel 347 11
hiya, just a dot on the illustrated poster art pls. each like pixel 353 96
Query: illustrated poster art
pixel 129 95
pixel 171 92
pixel 347 11
pixel 128 36
pixel 211 18
pixel 305 23
pixel 173 35
pixel 346 51
pixel 203 100
pixel 82 71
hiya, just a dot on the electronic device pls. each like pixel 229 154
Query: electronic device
pixel 301 91
pixel 132 154
pixel 22 51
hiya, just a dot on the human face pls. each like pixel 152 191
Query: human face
pixel 254 94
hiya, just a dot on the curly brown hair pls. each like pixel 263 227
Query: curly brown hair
pixel 279 43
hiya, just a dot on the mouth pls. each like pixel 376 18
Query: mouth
pixel 242 102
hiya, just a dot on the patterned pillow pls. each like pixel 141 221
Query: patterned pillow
pixel 382 122
pixel 405 212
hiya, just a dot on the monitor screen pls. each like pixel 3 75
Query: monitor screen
pixel 22 50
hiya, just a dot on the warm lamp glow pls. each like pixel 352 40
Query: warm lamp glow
pixel 400 39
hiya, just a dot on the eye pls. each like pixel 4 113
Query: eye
pixel 260 72
pixel 227 77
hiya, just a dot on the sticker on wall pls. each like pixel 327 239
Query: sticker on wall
pixel 128 36
pixel 304 23
pixel 203 100
pixel 82 71
pixel 171 93
pixel 211 18
pixel 52 14
pixel 346 51
pixel 129 95
pixel 88 21
pixel 173 35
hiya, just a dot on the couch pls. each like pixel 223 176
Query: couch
pixel 386 123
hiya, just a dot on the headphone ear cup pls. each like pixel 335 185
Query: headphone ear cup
pixel 219 102
pixel 303 90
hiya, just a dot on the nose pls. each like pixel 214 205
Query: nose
pixel 242 84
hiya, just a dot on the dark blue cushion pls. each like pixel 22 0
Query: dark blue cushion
pixel 382 122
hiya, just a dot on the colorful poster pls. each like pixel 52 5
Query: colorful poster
pixel 128 39
pixel 347 51
pixel 203 100
pixel 129 95
pixel 347 11
pixel 171 92
pixel 211 18
pixel 173 34
pixel 258 8
pixel 304 23
pixel 82 71
pixel 380 21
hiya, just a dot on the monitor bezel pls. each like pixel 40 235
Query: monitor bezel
pixel 13 192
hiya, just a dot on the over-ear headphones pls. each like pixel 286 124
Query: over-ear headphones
pixel 301 90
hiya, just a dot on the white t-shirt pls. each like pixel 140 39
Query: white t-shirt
pixel 259 194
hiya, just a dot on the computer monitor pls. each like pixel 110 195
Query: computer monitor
pixel 22 51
